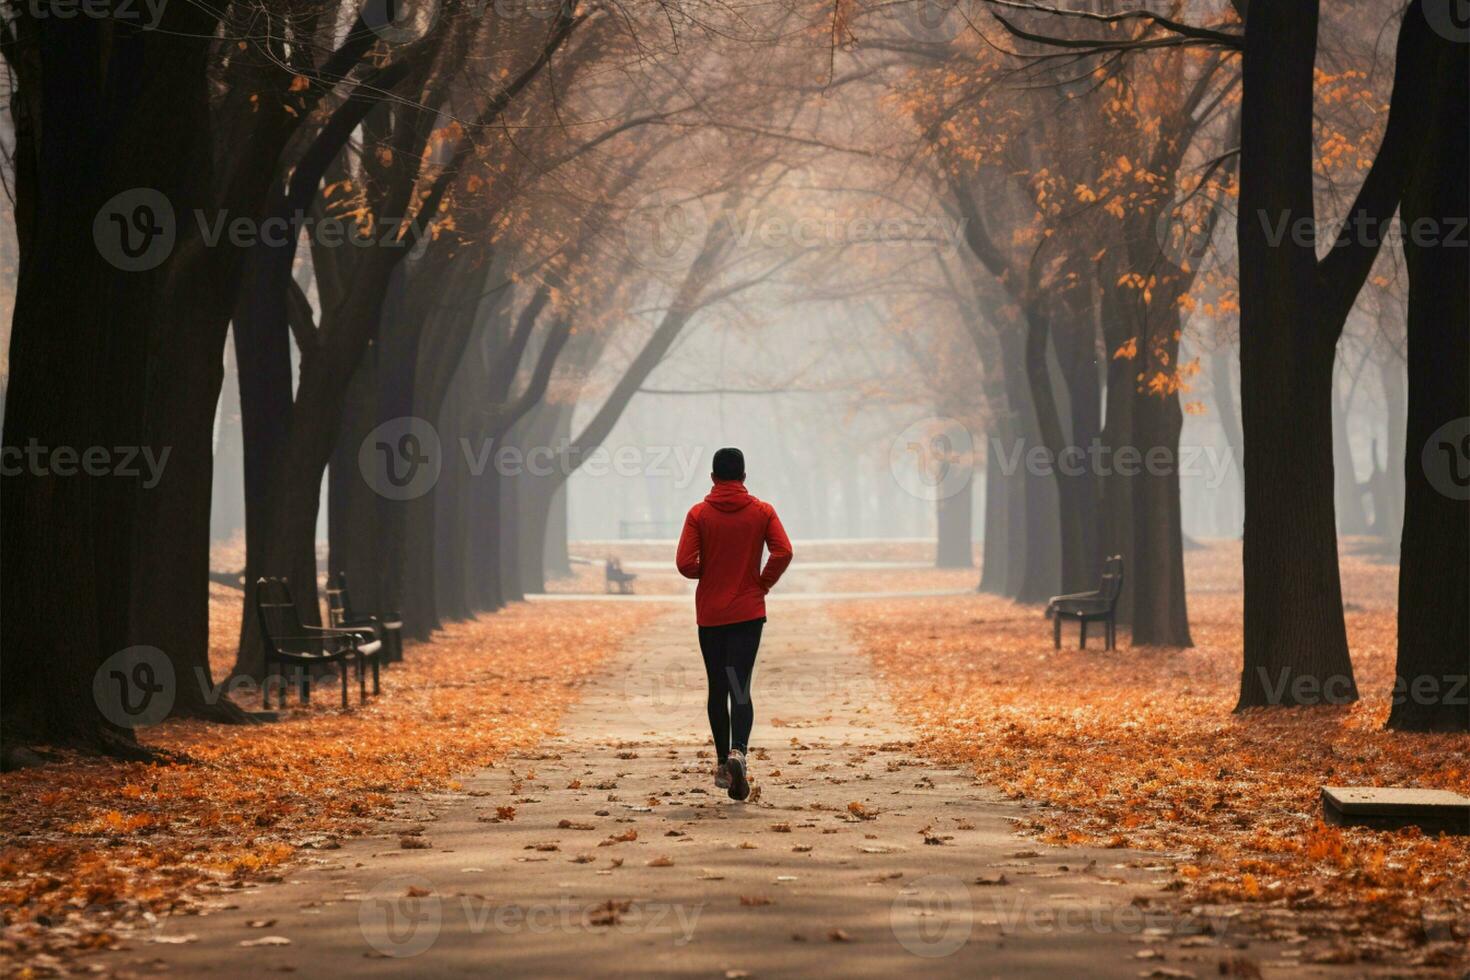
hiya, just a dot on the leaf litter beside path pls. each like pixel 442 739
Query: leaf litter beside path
pixel 1138 748
pixel 95 849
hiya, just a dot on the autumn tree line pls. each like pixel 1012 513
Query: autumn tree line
pixel 1125 177
pixel 523 184
pixel 185 184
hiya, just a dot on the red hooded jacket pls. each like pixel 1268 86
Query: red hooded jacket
pixel 721 546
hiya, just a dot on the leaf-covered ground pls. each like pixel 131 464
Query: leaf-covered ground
pixel 1139 748
pixel 92 843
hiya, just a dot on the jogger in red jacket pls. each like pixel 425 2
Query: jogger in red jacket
pixel 721 547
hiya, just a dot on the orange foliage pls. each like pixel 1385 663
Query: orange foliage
pixel 93 844
pixel 1139 748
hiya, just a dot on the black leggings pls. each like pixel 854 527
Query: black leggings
pixel 729 661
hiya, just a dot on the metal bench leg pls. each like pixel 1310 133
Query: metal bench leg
pixel 376 657
pixel 343 672
pixel 1056 632
pixel 1082 645
pixel 361 681
pixel 265 687
pixel 303 684
pixel 1112 634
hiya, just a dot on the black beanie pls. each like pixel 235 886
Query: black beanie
pixel 729 464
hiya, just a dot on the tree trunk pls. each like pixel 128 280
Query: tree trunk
pixel 1072 488
pixel 1292 312
pixel 995 565
pixel 954 517
pixel 293 497
pixel 1431 692
pixel 1295 640
pixel 90 125
pixel 1159 615
pixel 558 560
pixel 355 540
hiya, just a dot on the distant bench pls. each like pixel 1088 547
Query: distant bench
pixel 1098 606
pixel 617 580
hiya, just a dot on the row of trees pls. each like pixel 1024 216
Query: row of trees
pixel 542 200
pixel 1095 157
pixel 492 170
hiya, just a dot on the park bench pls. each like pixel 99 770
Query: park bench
pixel 291 644
pixel 615 577
pixel 1100 605
pixel 387 627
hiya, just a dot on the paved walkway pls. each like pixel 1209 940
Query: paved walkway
pixel 775 598
pixel 608 852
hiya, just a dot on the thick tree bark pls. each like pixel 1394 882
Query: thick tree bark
pixel 1292 312
pixel 1159 614
pixel 1432 691
pixel 995 560
pixel 356 541
pixel 1295 640
pixel 1117 506
pixel 1075 343
pixel 1035 545
pixel 90 124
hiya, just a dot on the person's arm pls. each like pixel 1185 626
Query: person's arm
pixel 687 557
pixel 779 545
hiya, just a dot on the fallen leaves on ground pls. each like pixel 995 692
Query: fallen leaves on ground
pixel 1139 748
pixel 95 845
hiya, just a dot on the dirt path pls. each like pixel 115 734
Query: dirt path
pixel 856 860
